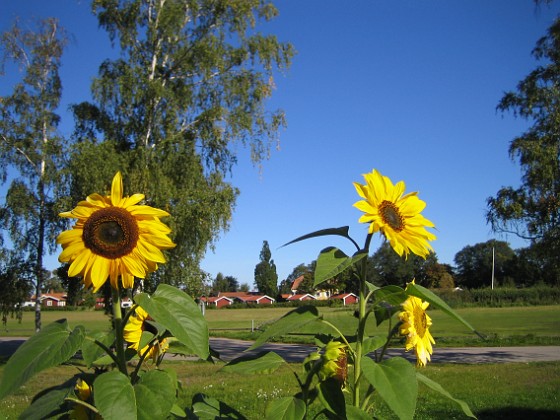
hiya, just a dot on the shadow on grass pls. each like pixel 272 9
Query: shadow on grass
pixel 517 413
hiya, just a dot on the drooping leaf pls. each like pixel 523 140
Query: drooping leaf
pixel 207 408
pixel 263 363
pixel 384 311
pixel 393 295
pixel 288 323
pixel 427 295
pixel 179 313
pixel 341 231
pixel 395 380
pixel 332 398
pixel 91 351
pixel 332 261
pixel 155 395
pixel 438 388
pixel 287 408
pixel 114 396
pixel 47 405
pixel 53 345
pixel 373 343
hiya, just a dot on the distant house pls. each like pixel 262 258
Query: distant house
pixel 217 301
pixel 347 298
pixel 248 297
pixel 295 285
pixel 51 299
pixel 300 297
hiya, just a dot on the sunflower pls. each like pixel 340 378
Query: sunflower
pixel 416 327
pixel 397 216
pixel 114 237
pixel 133 334
pixel 334 362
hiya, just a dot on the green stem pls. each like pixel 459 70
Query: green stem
pixel 362 318
pixel 118 325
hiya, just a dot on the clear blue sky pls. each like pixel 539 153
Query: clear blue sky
pixel 407 87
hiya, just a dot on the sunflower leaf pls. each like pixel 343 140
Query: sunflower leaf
pixel 114 396
pixel 427 295
pixel 341 231
pixel 438 388
pixel 179 313
pixel 53 345
pixel 332 398
pixel 262 363
pixel 395 380
pixel 294 319
pixel 332 261
pixel 288 408
pixel 155 395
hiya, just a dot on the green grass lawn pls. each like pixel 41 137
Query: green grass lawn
pixel 504 326
pixel 493 391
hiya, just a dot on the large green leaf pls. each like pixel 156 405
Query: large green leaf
pixel 438 388
pixel 91 351
pixel 287 408
pixel 114 396
pixel 263 363
pixel 179 313
pixel 290 322
pixel 355 413
pixel 53 345
pixel 425 294
pixel 155 395
pixel 332 398
pixel 395 380
pixel 207 408
pixel 332 261
pixel 47 405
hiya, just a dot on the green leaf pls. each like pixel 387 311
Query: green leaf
pixel 355 413
pixel 373 343
pixel 290 322
pixel 427 295
pixel 262 363
pixel 384 311
pixel 393 295
pixel 91 351
pixel 114 396
pixel 341 231
pixel 155 395
pixel 332 398
pixel 53 345
pixel 179 313
pixel 47 405
pixel 438 388
pixel 332 261
pixel 288 408
pixel 207 408
pixel 395 380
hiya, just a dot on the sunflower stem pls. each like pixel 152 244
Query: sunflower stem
pixel 362 318
pixel 118 325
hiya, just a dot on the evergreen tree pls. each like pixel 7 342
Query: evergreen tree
pixel 266 278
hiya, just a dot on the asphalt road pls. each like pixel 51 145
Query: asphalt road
pixel 230 349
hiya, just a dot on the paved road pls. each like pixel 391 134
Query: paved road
pixel 230 349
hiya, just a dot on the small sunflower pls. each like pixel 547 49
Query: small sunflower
pixel 416 327
pixel 334 362
pixel 397 216
pixel 133 334
pixel 114 237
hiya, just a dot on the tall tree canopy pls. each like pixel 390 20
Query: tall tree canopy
pixel 266 277
pixel 31 151
pixel 191 82
pixel 532 211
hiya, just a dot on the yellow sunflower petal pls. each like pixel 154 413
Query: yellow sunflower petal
pixel 116 189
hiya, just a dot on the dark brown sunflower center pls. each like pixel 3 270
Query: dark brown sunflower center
pixel 111 232
pixel 391 216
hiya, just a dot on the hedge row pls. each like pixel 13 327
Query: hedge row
pixel 502 296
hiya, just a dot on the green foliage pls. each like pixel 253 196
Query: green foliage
pixel 532 211
pixel 191 83
pixel 29 143
pixel 266 278
pixel 15 286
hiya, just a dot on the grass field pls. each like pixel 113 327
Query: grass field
pixel 504 326
pixel 495 391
